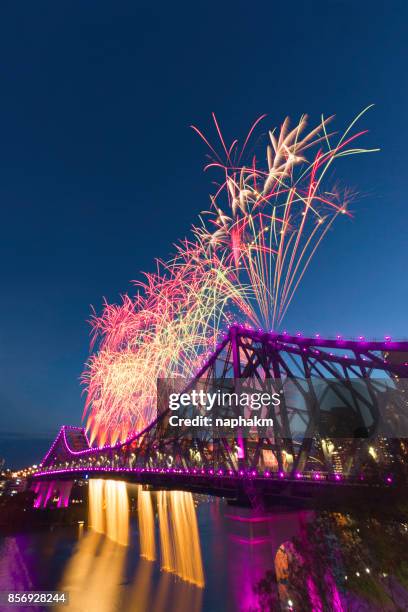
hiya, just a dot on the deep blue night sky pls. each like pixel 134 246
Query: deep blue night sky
pixel 100 172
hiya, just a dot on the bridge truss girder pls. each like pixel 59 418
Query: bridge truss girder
pixel 258 358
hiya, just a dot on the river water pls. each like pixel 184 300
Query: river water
pixel 238 547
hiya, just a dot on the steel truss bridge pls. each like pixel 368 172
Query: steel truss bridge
pixel 312 448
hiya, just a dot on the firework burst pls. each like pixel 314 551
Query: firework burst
pixel 244 260
pixel 162 332
pixel 267 222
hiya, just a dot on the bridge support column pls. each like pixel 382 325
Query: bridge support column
pixel 50 490
pixel 65 488
pixel 44 491
pixel 40 488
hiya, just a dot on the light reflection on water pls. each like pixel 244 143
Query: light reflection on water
pixel 14 573
pixel 94 573
pixel 180 550
pixel 238 548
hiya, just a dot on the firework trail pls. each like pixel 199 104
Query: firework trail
pixel 267 222
pixel 243 261
pixel 163 332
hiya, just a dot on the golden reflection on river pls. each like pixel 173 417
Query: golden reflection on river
pixel 109 509
pixel 93 575
pixel 97 574
pixel 179 537
pixel 146 524
pixel 95 578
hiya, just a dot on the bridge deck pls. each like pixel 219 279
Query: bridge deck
pixel 272 489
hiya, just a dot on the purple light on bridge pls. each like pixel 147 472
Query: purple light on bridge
pixel 294 344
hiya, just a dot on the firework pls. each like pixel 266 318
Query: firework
pixel 267 222
pixel 243 261
pixel 162 332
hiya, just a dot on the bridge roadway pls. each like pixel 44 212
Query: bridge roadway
pixel 304 490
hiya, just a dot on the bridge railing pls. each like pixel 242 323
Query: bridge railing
pixel 83 469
